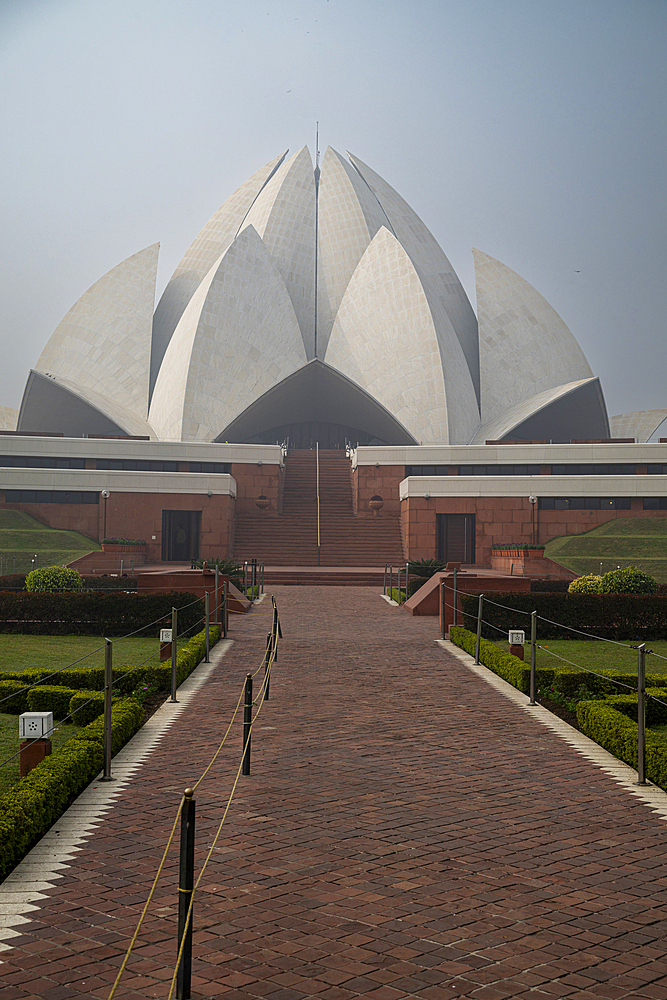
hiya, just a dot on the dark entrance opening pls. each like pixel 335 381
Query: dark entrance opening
pixel 180 535
pixel 456 538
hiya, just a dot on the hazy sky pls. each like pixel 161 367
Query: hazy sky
pixel 531 129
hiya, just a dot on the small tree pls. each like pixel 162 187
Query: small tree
pixel 589 584
pixel 628 581
pixel 51 579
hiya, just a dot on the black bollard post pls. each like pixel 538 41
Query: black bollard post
pixel 186 881
pixel 247 722
pixel 268 663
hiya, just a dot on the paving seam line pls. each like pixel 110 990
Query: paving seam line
pixel 53 855
pixel 652 796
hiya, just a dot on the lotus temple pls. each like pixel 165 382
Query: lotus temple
pixel 314 387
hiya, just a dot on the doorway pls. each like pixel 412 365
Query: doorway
pixel 456 538
pixel 180 535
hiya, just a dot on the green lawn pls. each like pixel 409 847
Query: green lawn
pixel 626 541
pixel 22 537
pixel 10 744
pixel 18 652
pixel 595 655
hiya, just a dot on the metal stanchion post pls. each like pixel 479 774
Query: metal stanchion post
pixel 398 574
pixel 174 626
pixel 253 580
pixel 442 609
pixel 247 722
pixel 391 581
pixel 108 678
pixel 225 589
pixel 245 578
pixel 267 665
pixel 456 595
pixel 186 881
pixel 641 714
pixel 262 577
pixel 533 651
pixel 407 577
pixel 206 615
pixel 384 580
pixel 480 602
pixel 216 609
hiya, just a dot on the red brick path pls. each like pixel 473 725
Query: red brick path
pixel 406 831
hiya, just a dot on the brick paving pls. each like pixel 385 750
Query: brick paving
pixel 406 832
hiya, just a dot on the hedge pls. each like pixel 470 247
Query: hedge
pixel 563 679
pixel 610 725
pixel 29 808
pixel 610 616
pixel 95 612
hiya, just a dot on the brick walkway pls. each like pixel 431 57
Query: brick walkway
pixel 406 831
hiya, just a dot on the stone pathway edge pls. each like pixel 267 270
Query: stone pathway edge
pixel 655 798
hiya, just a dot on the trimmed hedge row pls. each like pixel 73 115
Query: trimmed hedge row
pixel 94 613
pixel 610 724
pixel 29 808
pixel 610 616
pixel 89 679
pixel 563 679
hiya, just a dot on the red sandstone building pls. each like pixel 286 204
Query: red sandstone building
pixel 192 500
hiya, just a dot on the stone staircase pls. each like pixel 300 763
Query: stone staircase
pixel 290 539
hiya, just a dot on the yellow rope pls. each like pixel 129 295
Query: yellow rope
pixel 173 830
pixel 210 851
pixel 148 901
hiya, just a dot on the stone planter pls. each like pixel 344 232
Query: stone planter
pixel 262 502
pixel 376 503
pixel 112 547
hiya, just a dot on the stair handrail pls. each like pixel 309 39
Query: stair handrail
pixel 317 465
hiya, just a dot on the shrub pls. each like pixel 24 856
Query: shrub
pixel 29 808
pixel 95 613
pixel 628 581
pixel 425 567
pixel 588 584
pixel 609 616
pixel 565 680
pixel 394 594
pixel 52 579
pixel 415 584
pixel 123 541
pixel 12 581
pixel 611 724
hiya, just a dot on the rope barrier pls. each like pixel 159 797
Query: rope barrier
pixel 147 903
pixel 211 849
pixel 586 670
pixel 144 911
pixel 49 676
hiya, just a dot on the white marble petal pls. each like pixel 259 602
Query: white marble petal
pixel 205 249
pixel 103 343
pixel 525 347
pixel 441 283
pixel 641 425
pixel 63 405
pixel 8 417
pixel 284 216
pixel 385 339
pixel 349 216
pixel 237 337
pixel 502 425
